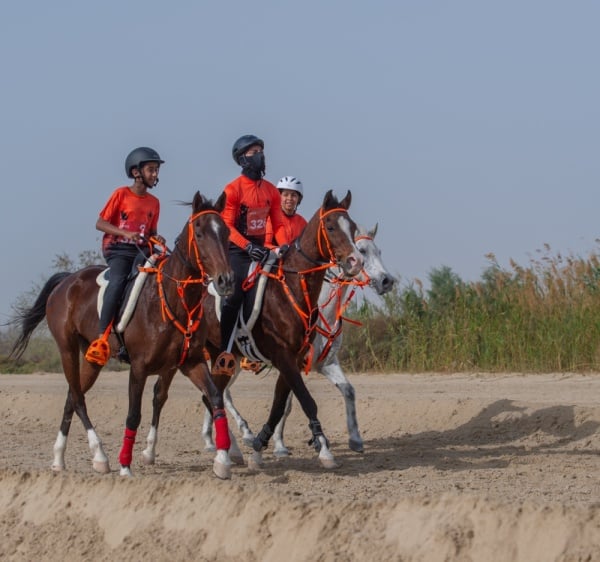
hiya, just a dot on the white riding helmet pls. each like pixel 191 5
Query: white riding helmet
pixel 292 183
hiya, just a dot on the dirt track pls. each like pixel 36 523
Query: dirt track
pixel 456 467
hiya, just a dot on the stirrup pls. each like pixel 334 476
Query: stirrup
pixel 98 352
pixel 224 364
pixel 249 365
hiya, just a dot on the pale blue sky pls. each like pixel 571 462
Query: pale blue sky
pixel 462 127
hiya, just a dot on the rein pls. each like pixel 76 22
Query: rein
pixel 194 313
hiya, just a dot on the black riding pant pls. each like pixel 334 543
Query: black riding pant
pixel 120 258
pixel 240 262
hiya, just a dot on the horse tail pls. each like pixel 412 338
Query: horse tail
pixel 29 318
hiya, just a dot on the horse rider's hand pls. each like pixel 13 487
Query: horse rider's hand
pixel 257 253
pixel 160 240
pixel 281 251
pixel 133 236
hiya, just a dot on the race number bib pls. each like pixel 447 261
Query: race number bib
pixel 256 221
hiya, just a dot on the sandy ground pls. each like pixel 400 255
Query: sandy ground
pixel 456 467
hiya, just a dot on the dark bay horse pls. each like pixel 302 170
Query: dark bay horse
pixel 167 332
pixel 286 325
pixel 336 294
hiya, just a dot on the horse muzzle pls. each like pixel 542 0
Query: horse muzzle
pixel 352 265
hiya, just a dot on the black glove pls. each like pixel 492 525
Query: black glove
pixel 258 253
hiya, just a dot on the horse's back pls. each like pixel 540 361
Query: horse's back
pixel 73 303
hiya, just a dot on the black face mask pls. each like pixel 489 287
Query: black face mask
pixel 253 166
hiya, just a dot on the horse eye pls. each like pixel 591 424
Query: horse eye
pixel 363 251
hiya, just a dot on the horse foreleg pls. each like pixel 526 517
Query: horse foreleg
pixel 336 376
pixel 261 441
pixel 134 416
pixel 247 435
pixel 234 451
pixel 161 393
pixel 279 448
pixel 309 407
pixel 213 391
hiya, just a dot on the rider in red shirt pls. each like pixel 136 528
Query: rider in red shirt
pixel 251 201
pixel 128 220
pixel 291 192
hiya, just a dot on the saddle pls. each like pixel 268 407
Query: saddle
pixel 249 313
pixel 135 282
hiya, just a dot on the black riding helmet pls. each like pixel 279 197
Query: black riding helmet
pixel 243 144
pixel 139 156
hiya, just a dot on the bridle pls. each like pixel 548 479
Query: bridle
pixel 194 312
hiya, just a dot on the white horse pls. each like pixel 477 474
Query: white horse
pixel 332 300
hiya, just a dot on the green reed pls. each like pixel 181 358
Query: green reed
pixel 540 317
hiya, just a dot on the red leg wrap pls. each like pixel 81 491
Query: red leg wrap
pixel 222 440
pixel 126 453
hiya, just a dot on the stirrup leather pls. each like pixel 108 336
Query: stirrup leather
pixel 224 364
pixel 98 352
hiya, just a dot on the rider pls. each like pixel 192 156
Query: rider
pixel 128 220
pixel 291 192
pixel 251 200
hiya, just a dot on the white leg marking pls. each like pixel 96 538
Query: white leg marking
pixel 149 453
pixel 100 460
pixel 60 446
pixel 222 465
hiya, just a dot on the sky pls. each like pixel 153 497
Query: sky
pixel 461 127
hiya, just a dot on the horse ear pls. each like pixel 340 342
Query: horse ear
pixel 220 204
pixel 373 232
pixel 327 200
pixel 345 202
pixel 197 202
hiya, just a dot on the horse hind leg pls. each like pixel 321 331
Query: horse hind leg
pixel 75 402
pixel 336 376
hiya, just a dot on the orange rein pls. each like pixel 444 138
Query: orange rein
pixel 194 313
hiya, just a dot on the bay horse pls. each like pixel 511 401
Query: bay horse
pixel 336 293
pixel 286 325
pixel 166 332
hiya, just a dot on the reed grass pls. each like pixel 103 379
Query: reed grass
pixel 536 318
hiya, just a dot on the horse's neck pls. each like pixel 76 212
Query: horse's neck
pixel 178 268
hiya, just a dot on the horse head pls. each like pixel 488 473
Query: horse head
pixel 336 233
pixel 208 243
pixel 379 277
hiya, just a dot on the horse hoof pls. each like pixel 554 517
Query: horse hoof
pixel 281 453
pixel 147 458
pixel 222 471
pixel 255 461
pixel 58 467
pixel 210 448
pixel 356 446
pixel 101 467
pixel 329 463
pixel 237 459
pixel 125 471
